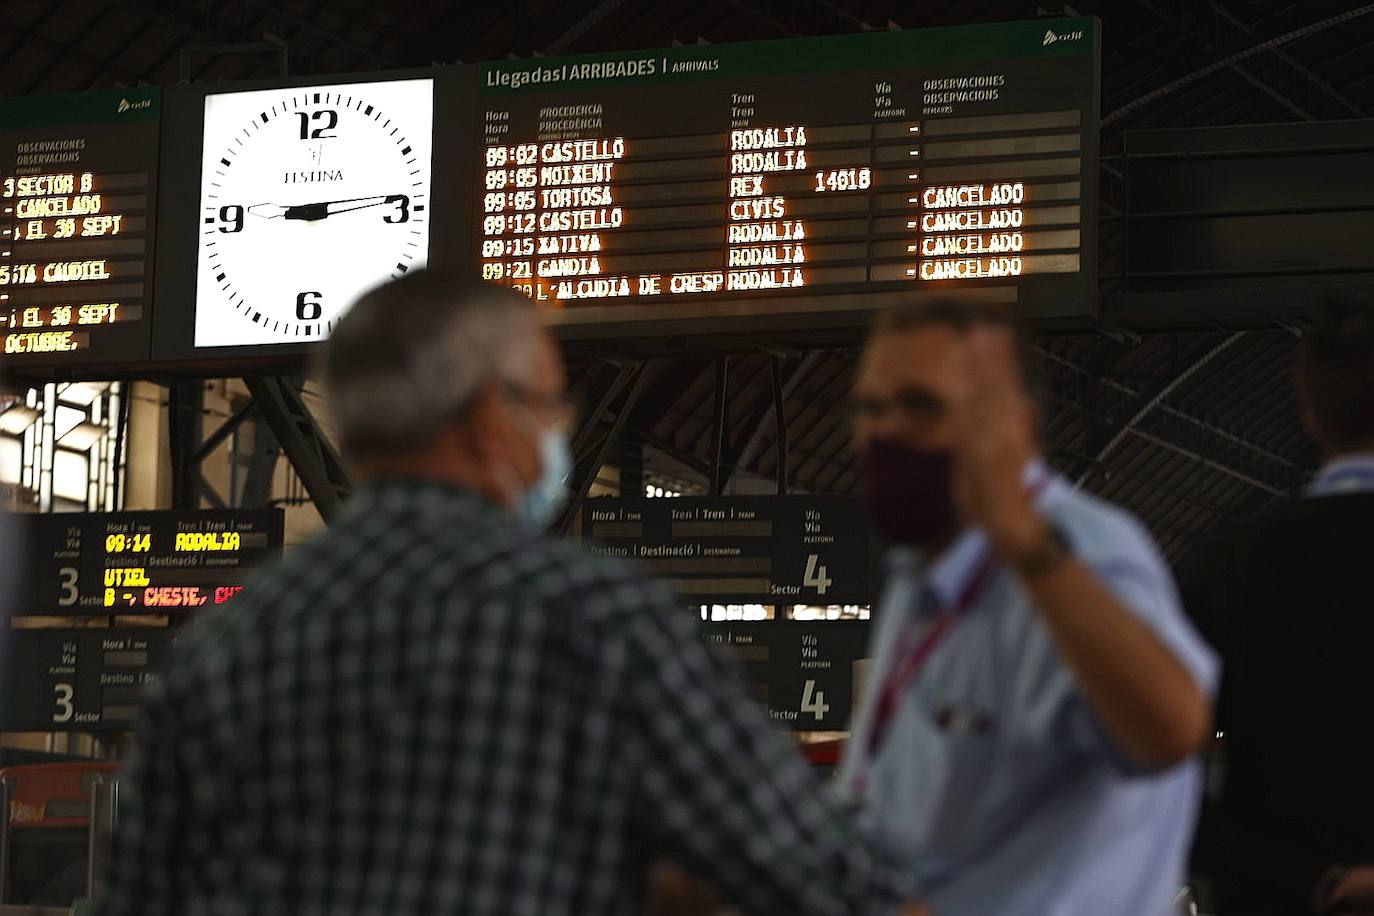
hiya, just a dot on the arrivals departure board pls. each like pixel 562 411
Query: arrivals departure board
pixel 805 176
pixel 78 182
pixel 172 562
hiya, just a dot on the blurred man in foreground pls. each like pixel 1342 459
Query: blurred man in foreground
pixel 1037 696
pixel 431 708
pixel 1286 598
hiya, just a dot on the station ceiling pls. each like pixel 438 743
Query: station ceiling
pixel 1188 429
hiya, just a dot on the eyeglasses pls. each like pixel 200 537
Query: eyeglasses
pixel 556 406
pixel 908 406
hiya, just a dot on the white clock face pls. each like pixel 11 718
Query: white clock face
pixel 310 196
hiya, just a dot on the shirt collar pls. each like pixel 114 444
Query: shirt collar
pixel 947 575
pixel 1353 473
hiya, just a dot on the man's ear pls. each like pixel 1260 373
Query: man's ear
pixel 486 418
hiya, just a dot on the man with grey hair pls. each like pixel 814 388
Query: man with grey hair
pixel 431 708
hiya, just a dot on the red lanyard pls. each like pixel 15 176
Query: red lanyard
pixel 913 659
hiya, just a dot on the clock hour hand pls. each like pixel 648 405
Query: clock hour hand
pixel 268 211
pixel 317 211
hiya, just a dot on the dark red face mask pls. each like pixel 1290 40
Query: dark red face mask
pixel 909 492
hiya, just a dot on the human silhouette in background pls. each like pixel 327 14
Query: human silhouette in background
pixel 1288 599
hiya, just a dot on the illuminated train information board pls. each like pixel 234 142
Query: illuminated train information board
pixel 78 177
pixel 172 562
pixel 819 175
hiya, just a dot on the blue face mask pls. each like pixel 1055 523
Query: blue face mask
pixel 536 509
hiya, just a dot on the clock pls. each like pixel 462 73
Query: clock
pixel 309 197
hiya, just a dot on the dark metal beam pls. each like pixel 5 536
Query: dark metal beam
pixel 318 465
pixel 184 405
pixel 586 472
pixel 1231 59
pixel 582 26
pixel 1302 69
pixel 1173 413
pixel 649 437
pixel 225 429
pixel 780 413
pixel 720 421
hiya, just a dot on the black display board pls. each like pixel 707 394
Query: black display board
pixel 742 549
pixel 172 562
pixel 78 193
pixel 789 180
pixel 85 680
pixel 805 673
pixel 771 550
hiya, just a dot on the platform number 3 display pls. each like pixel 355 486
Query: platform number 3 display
pixel 309 197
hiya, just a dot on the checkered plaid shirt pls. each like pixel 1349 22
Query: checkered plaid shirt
pixel 426 710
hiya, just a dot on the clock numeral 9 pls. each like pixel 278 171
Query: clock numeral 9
pixel 328 115
pixel 308 307
pixel 233 216
pixel 402 214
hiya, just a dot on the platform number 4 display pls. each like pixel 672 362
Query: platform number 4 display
pixel 816 576
pixel 813 700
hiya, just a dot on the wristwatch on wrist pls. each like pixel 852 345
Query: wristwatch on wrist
pixel 1047 553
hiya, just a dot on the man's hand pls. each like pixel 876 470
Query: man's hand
pixel 675 892
pixel 995 438
pixel 1346 886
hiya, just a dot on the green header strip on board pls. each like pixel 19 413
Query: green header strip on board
pixel 1032 40
pixel 79 109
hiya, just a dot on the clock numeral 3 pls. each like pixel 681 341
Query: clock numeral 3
pixel 329 115
pixel 233 216
pixel 402 214
pixel 308 307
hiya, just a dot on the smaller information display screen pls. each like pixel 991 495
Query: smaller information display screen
pixel 78 679
pixel 787 552
pixel 77 181
pixel 768 549
pixel 806 674
pixel 143 562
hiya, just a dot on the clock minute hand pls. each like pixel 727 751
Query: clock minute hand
pixel 323 209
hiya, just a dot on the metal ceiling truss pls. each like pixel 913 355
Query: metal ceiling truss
pixel 1230 60
pixel 601 433
pixel 1088 400
pixel 582 26
pixel 1148 403
pixel 185 416
pixel 310 452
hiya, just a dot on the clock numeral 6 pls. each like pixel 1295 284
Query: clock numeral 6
pixel 328 115
pixel 231 218
pixel 308 307
pixel 402 214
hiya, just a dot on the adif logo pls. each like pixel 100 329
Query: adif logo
pixel 126 105
pixel 1050 37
